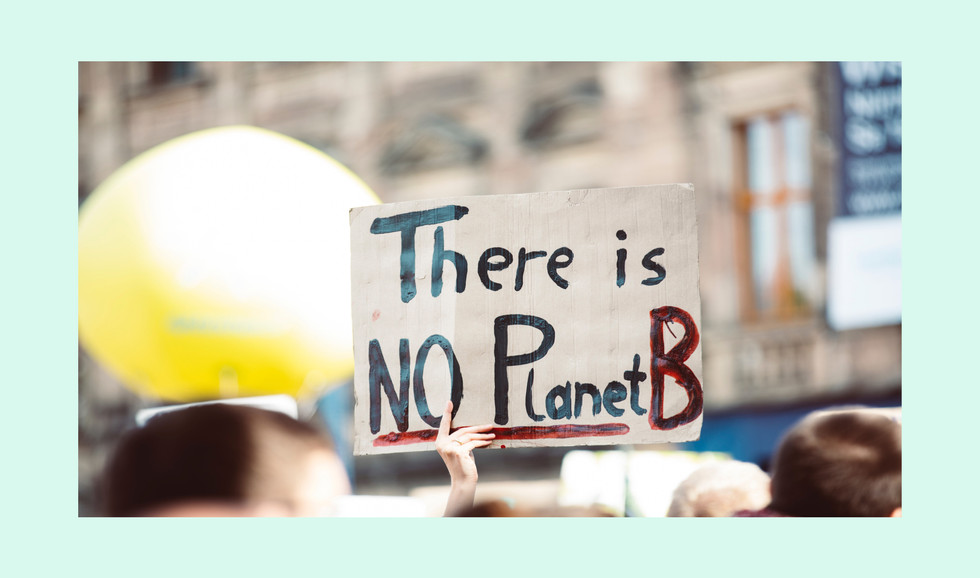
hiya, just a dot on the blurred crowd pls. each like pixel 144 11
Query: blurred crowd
pixel 220 459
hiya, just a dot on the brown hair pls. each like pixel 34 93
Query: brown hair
pixel 214 452
pixel 839 464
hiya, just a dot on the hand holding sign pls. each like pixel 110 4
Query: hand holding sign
pixel 456 450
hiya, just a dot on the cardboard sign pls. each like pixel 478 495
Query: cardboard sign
pixel 563 318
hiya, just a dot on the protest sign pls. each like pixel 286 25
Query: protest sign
pixel 562 318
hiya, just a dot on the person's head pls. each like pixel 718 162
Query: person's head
pixel 222 459
pixel 846 463
pixel 720 489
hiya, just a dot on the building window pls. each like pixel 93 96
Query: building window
pixel 165 73
pixel 567 118
pixel 434 142
pixel 774 216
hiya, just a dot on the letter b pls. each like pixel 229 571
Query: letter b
pixel 672 364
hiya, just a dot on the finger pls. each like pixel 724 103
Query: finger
pixel 474 428
pixel 474 436
pixel 470 446
pixel 447 420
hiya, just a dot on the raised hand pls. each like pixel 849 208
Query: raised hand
pixel 456 449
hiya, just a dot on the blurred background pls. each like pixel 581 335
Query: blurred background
pixel 797 173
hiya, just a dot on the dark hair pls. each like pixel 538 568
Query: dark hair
pixel 214 452
pixel 839 464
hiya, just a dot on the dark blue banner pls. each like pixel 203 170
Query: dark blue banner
pixel 870 134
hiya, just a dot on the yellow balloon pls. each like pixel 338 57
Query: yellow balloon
pixel 218 265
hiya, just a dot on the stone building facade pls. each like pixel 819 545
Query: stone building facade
pixel 756 140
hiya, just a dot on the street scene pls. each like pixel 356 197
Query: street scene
pixel 490 289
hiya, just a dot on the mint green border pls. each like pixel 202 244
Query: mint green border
pixel 42 44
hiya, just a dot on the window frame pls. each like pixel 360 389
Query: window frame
pixel 785 305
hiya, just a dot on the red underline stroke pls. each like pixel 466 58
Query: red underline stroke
pixel 511 433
